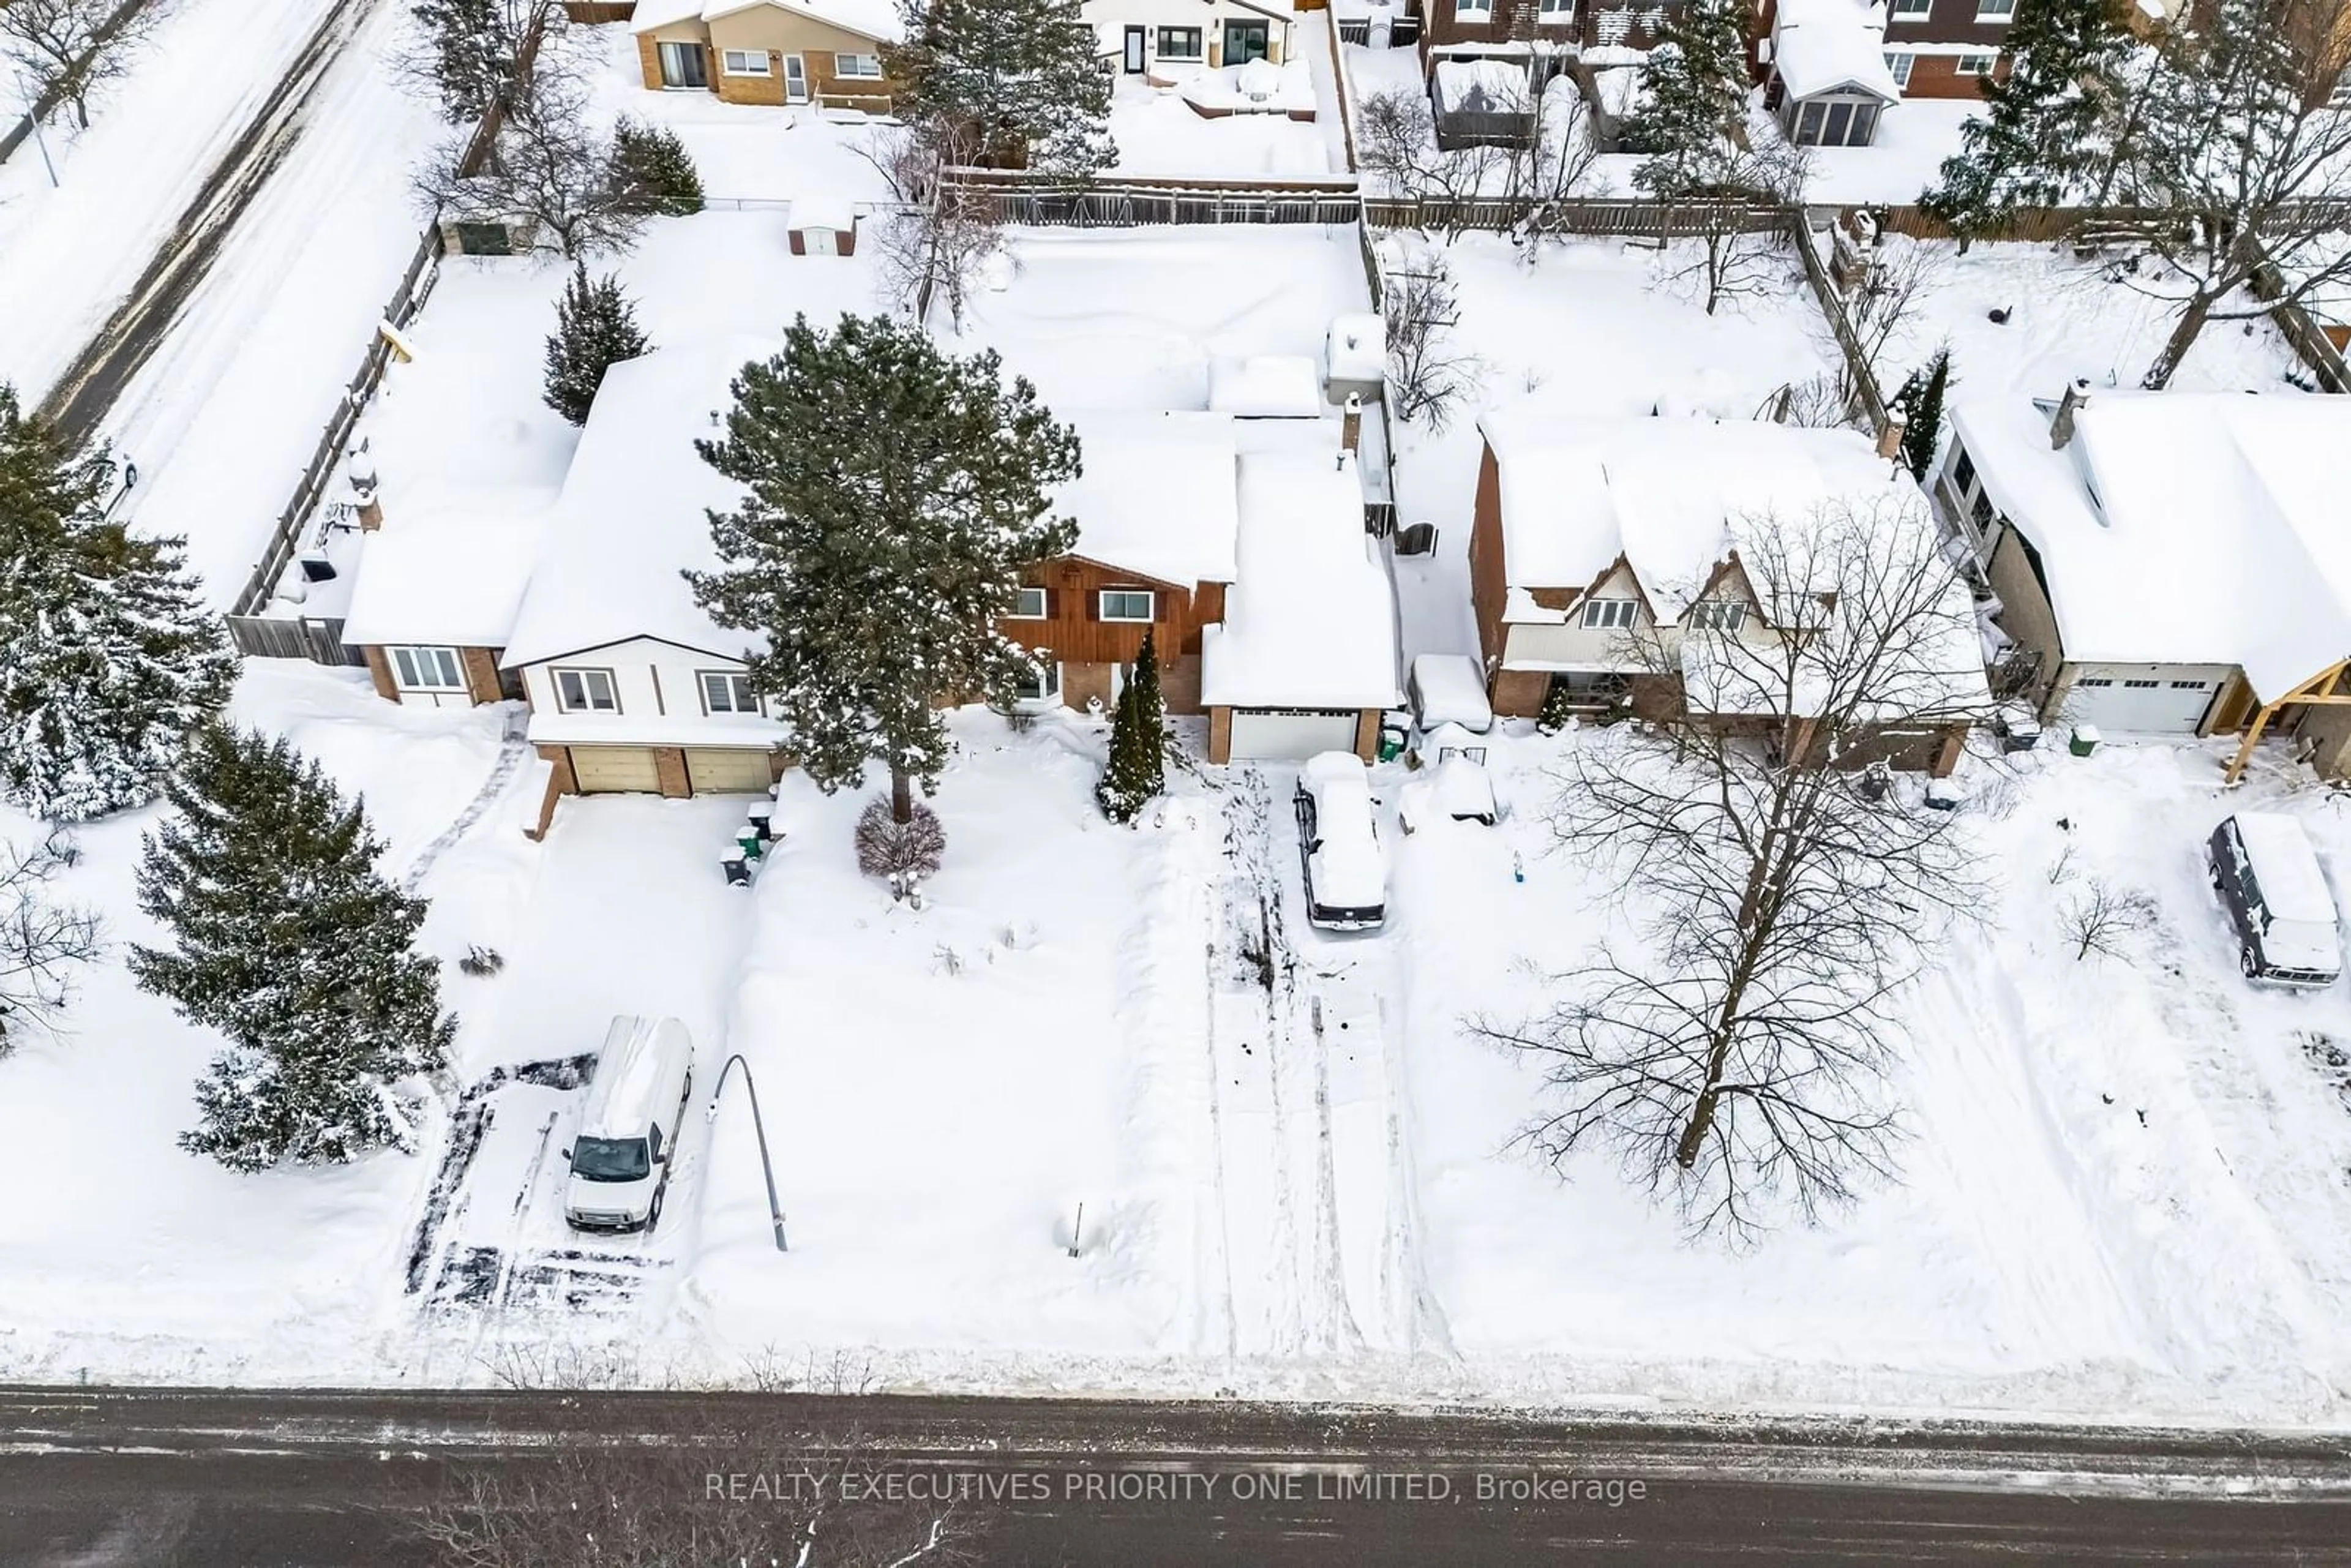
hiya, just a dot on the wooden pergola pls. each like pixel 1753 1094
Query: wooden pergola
pixel 2323 689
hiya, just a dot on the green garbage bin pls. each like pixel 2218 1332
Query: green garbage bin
pixel 2083 740
pixel 1392 738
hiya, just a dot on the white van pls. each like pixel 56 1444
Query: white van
pixel 628 1136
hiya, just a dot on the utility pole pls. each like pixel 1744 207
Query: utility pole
pixel 33 119
pixel 775 1210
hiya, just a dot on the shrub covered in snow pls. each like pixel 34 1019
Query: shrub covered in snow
pixel 1138 742
pixel 595 328
pixel 654 169
pixel 288 939
pixel 906 853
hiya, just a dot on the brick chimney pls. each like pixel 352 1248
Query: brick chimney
pixel 2061 424
pixel 1889 440
pixel 1351 423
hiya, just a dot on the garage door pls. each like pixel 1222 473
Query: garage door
pixel 1281 735
pixel 614 770
pixel 2142 706
pixel 728 771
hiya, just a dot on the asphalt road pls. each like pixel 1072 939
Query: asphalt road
pixel 90 1479
pixel 129 336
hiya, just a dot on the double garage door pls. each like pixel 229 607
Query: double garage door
pixel 1291 735
pixel 631 769
pixel 2141 705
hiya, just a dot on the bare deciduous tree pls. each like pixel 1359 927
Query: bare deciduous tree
pixel 937 243
pixel 1427 376
pixel 545 166
pixel 1736 1057
pixel 2237 143
pixel 1395 143
pixel 42 943
pixel 2106 920
pixel 1900 276
pixel 70 47
pixel 1737 254
pixel 1555 161
pixel 759 1496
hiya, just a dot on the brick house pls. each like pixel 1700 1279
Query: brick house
pixel 825 52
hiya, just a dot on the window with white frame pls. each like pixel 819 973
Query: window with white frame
pixel 1607 614
pixel 865 67
pixel 1897 65
pixel 1911 10
pixel 743 62
pixel 586 691
pixel 1995 10
pixel 1554 10
pixel 1975 64
pixel 427 669
pixel 1127 603
pixel 1028 604
pixel 1473 10
pixel 1042 681
pixel 1719 615
pixel 727 691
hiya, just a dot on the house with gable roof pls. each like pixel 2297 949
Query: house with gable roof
pixel 823 53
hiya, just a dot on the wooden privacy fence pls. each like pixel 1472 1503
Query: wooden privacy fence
pixel 317 638
pixel 1593 215
pixel 1021 197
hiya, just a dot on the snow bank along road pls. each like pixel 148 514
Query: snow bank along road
pixel 82 396
pixel 198 1477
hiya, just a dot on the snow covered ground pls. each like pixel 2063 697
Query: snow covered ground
pixel 69 252
pixel 2067 317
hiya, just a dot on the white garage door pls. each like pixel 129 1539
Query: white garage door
pixel 614 770
pixel 2141 705
pixel 729 771
pixel 1282 734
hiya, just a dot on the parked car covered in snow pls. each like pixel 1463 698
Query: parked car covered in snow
pixel 1339 843
pixel 1452 781
pixel 2267 875
pixel 627 1135
pixel 1447 688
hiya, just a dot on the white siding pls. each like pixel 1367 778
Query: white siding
pixel 655 680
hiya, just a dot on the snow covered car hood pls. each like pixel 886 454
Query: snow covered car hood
pixel 630 1200
pixel 2313 945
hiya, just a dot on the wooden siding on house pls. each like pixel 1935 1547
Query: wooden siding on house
pixel 1074 630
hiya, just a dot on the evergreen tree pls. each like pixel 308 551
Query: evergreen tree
pixel 1021 75
pixel 1138 741
pixel 653 166
pixel 896 494
pixel 108 656
pixel 469 51
pixel 595 328
pixel 1695 117
pixel 2046 133
pixel 289 940
pixel 1920 402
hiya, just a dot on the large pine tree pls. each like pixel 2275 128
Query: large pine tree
pixel 107 657
pixel 1920 402
pixel 288 939
pixel 896 495
pixel 1021 76
pixel 651 164
pixel 469 50
pixel 2046 135
pixel 1694 119
pixel 595 328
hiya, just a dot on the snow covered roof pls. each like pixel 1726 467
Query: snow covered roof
pixel 626 1093
pixel 824 210
pixel 1451 692
pixel 1818 45
pixel 1265 386
pixel 1357 348
pixel 1494 86
pixel 1311 620
pixel 631 515
pixel 2183 527
pixel 2293 887
pixel 1158 495
pixel 875 19
pixel 1672 495
pixel 453 575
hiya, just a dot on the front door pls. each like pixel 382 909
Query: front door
pixel 1244 42
pixel 681 65
pixel 794 79
pixel 1134 51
